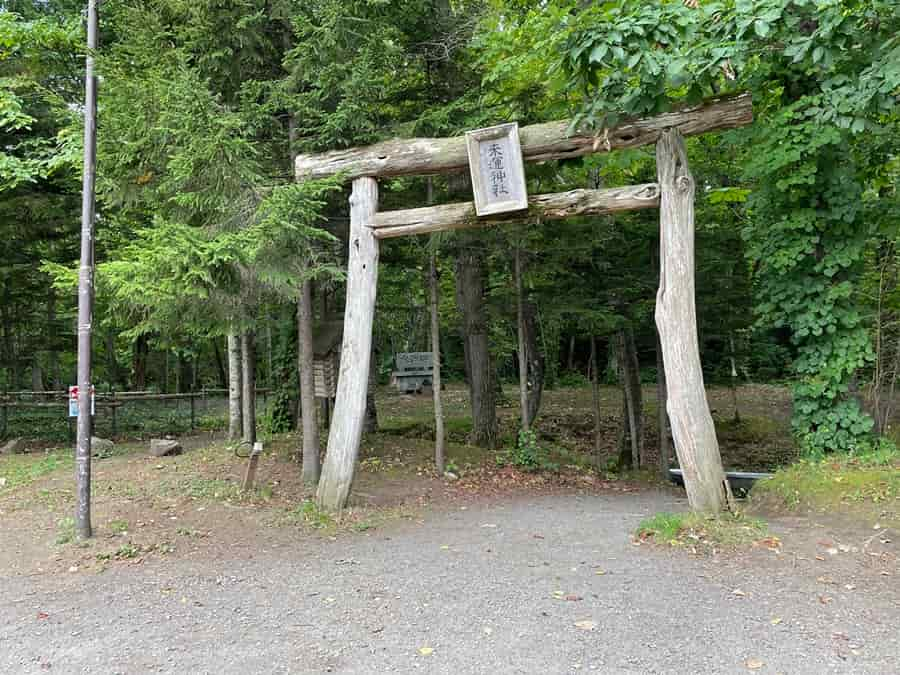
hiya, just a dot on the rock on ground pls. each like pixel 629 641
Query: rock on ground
pixel 13 447
pixel 101 446
pixel 162 447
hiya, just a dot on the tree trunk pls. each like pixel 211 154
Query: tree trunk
pixel 661 416
pixel 536 366
pixel 436 364
pixel 311 465
pixel 676 317
pixel 235 384
pixel 350 406
pixel 248 396
pixel 570 362
pixel 637 397
pixel 470 282
pixel 139 362
pixel 595 393
pixel 37 374
pixel 112 360
pixel 52 353
pixel 370 425
pixel 631 385
pixel 220 365
pixel 523 347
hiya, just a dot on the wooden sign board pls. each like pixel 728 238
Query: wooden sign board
pixel 498 173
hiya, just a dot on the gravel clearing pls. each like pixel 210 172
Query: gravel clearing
pixel 529 585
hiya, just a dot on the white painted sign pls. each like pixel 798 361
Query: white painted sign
pixel 498 173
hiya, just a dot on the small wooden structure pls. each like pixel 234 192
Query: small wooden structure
pixel 327 338
pixel 414 371
pixel 673 194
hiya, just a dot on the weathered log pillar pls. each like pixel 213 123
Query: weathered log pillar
pixel 676 317
pixel 350 405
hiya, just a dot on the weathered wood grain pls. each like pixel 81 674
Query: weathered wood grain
pixel 540 142
pixel 553 206
pixel 353 380
pixel 676 318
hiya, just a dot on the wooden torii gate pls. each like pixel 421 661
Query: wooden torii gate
pixel 692 425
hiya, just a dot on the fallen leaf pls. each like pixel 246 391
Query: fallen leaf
pixel 850 587
pixel 738 592
pixel 445 548
pixel 600 572
pixel 776 620
pixel 43 615
pixel 754 664
pixel 586 624
pixel 824 599
pixel 818 557
pixel 574 598
pixel 426 651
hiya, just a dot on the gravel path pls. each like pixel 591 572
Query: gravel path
pixel 485 588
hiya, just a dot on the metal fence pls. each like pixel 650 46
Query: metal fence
pixel 44 415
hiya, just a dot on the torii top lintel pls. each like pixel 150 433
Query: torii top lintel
pixel 540 142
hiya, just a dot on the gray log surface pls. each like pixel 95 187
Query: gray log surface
pixel 553 206
pixel 676 318
pixel 353 380
pixel 540 142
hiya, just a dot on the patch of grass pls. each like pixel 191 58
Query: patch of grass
pixel 118 526
pixel 868 484
pixel 214 489
pixel 124 552
pixel 702 533
pixel 66 531
pixel 309 514
pixel 19 470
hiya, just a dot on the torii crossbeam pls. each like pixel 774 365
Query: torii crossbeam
pixel 692 425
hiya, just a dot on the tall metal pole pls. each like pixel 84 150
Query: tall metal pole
pixel 86 286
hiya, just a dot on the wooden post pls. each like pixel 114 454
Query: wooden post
pixel 252 464
pixel 193 410
pixel 353 380
pixel 113 407
pixel 676 317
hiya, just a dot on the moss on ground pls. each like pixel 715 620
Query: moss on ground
pixel 19 470
pixel 867 485
pixel 702 533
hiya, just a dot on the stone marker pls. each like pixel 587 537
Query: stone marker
pixel 13 447
pixel 161 447
pixel 101 446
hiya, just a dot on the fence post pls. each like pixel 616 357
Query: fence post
pixel 113 407
pixel 193 412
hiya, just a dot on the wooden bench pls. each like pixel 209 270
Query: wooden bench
pixel 414 371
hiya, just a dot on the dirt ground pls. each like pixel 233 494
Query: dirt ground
pixel 545 583
pixel 497 571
